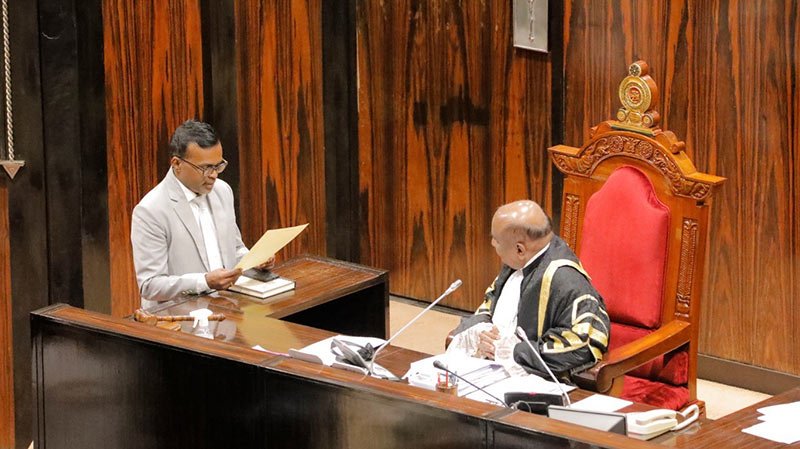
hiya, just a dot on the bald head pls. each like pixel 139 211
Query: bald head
pixel 519 231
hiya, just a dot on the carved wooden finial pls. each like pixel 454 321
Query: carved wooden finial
pixel 638 94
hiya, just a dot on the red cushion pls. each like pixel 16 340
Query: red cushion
pixel 656 394
pixel 672 368
pixel 622 334
pixel 624 247
pixel 676 368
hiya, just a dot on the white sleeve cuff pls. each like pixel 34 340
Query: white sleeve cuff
pixel 200 282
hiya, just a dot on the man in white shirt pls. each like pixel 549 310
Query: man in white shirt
pixel 541 288
pixel 184 233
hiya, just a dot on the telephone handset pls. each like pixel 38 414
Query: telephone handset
pixel 650 424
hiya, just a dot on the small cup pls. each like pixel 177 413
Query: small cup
pixel 446 383
pixel 451 389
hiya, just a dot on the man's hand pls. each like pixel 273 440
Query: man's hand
pixel 267 265
pixel 486 343
pixel 220 279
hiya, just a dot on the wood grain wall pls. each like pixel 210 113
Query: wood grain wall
pixel 153 74
pixel 155 80
pixel 282 155
pixel 728 72
pixel 452 123
pixel 6 337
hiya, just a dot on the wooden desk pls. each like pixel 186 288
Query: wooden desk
pixel 329 294
pixel 108 382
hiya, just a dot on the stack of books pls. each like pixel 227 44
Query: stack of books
pixel 261 284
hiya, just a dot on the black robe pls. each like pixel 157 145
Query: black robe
pixel 571 328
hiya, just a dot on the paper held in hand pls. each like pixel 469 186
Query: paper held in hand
pixel 269 244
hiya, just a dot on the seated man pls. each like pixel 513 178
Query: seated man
pixel 184 233
pixel 541 288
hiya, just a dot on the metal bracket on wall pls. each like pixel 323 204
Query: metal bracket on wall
pixel 8 162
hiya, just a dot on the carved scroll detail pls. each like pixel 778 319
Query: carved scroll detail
pixel 686 267
pixel 571 207
pixel 642 149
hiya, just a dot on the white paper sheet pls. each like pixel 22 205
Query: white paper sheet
pixel 487 374
pixel 777 431
pixel 778 423
pixel 601 403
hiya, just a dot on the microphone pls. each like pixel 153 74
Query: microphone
pixel 450 289
pixel 521 334
pixel 441 366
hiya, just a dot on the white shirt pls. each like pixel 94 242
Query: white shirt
pixel 209 234
pixel 505 313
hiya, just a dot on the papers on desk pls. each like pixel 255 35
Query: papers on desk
pixel 778 423
pixel 601 403
pixel 487 374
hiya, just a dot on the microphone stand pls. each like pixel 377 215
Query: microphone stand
pixel 449 290
pixel 521 334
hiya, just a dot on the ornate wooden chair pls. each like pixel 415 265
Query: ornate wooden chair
pixel 636 211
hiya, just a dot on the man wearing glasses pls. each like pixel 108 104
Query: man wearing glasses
pixel 184 233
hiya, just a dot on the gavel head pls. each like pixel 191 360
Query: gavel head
pixel 145 317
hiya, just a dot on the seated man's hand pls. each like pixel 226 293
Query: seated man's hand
pixel 267 265
pixel 486 343
pixel 221 278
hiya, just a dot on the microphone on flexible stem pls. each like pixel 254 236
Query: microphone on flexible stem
pixel 521 334
pixel 450 289
pixel 441 366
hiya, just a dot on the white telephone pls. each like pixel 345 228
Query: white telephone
pixel 647 425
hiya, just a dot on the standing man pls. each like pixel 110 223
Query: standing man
pixel 184 233
pixel 541 288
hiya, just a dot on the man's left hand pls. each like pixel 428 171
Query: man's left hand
pixel 267 265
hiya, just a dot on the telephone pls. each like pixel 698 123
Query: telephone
pixel 650 424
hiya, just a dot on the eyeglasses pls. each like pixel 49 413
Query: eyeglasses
pixel 206 170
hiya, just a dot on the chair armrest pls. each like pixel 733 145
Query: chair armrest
pixel 624 359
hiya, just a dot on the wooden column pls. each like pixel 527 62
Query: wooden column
pixel 6 353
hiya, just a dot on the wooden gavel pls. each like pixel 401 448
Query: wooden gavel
pixel 148 318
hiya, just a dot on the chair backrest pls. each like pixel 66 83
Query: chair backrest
pixel 636 211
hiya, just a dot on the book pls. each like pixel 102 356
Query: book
pixel 261 289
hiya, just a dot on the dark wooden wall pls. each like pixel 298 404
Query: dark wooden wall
pixel 279 105
pixel 728 72
pixel 395 129
pixel 154 81
pixel 452 123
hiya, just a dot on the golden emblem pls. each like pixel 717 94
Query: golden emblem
pixel 637 92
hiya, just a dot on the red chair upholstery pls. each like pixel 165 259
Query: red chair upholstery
pixel 624 250
pixel 635 210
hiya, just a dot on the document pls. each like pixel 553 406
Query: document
pixel 777 423
pixel 269 244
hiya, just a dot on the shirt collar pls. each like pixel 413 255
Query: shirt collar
pixel 535 256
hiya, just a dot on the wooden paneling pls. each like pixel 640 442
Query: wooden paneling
pixel 153 69
pixel 282 158
pixel 6 337
pixel 453 122
pixel 728 73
